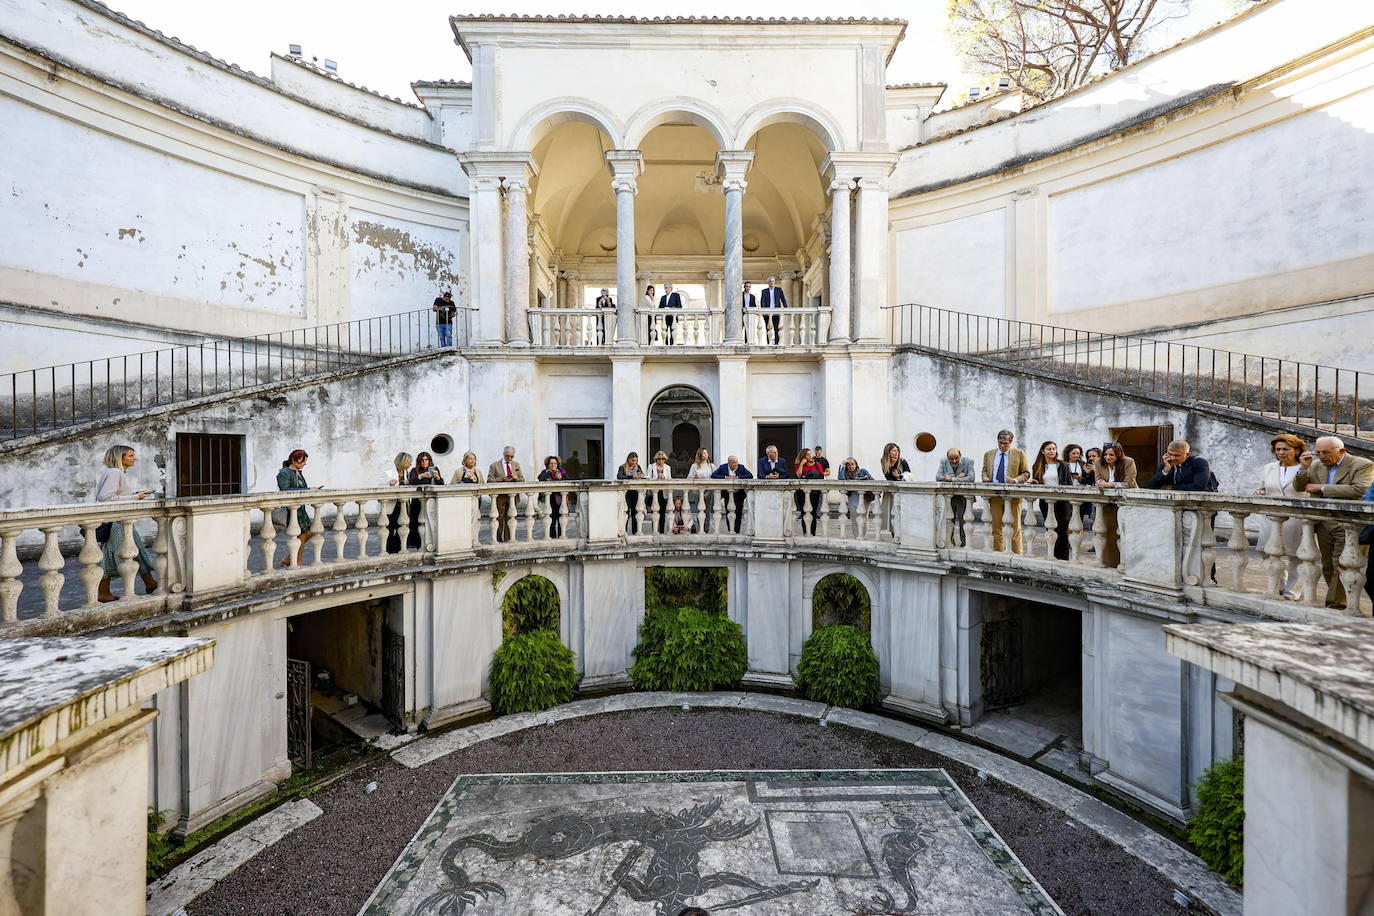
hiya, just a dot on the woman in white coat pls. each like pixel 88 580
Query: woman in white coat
pixel 1277 479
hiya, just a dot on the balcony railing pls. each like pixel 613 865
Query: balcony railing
pixel 211 550
pixel 795 327
pixel 56 397
pixel 673 328
pixel 1340 401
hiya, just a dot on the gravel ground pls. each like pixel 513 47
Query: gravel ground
pixel 331 865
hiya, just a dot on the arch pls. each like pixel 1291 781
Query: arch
pixel 556 577
pixel 790 111
pixel 537 122
pixel 678 108
pixel 693 408
pixel 814 576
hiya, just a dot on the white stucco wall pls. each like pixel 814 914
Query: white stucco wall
pixel 961 260
pixel 401 265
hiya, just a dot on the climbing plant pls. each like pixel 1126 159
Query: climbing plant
pixel 674 587
pixel 530 672
pixel 688 648
pixel 1217 829
pixel 838 666
pixel 530 606
pixel 839 598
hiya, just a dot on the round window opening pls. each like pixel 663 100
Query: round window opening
pixel 925 442
pixel 441 444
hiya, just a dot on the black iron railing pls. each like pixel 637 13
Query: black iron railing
pixel 1307 394
pixel 56 397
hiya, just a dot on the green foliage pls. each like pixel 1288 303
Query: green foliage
pixel 840 598
pixel 1217 830
pixel 530 606
pixel 160 844
pixel 688 648
pixel 668 587
pixel 530 672
pixel 838 666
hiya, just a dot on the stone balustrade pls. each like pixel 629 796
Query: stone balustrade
pixel 206 550
pixel 662 328
pixel 795 327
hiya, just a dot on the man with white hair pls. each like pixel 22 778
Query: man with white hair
pixel 772 298
pixel 669 300
pixel 1336 474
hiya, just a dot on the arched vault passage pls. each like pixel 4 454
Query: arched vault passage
pixel 537 122
pixel 790 111
pixel 677 111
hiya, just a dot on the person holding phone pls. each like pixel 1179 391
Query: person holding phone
pixel 507 470
pixel 290 477
pixel 631 470
pixel 425 474
pixel 113 486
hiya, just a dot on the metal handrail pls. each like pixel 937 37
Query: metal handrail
pixel 1325 398
pixel 64 395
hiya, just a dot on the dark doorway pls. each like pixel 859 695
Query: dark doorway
pixel 786 436
pixel 680 422
pixel 346 678
pixel 209 464
pixel 580 447
pixel 1145 444
pixel 1031 675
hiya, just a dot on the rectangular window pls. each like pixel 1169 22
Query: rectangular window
pixel 580 447
pixel 209 464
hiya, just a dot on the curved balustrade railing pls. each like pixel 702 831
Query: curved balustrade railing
pixel 654 327
pixel 1206 547
pixel 807 326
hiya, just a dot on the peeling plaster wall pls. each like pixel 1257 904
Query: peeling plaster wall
pixel 398 265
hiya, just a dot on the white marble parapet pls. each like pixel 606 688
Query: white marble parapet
pixel 50 689
pixel 1322 671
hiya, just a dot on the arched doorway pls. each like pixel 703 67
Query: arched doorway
pixel 680 422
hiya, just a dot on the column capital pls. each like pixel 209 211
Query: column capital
pixel 515 185
pixel 840 184
pixel 858 165
pixel 484 183
pixel 514 164
pixel 732 166
pixel 873 184
pixel 625 164
pixel 715 275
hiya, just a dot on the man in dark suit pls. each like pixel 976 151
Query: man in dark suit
pixel 732 469
pixel 749 301
pixel 669 300
pixel 771 467
pixel 773 298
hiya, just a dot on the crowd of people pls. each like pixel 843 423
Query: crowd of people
pixel 1326 471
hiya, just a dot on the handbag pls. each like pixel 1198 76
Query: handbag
pixel 102 532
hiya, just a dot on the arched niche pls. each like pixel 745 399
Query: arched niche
pixel 679 415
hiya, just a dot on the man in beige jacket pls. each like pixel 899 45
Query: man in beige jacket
pixel 1005 464
pixel 1335 475
pixel 507 470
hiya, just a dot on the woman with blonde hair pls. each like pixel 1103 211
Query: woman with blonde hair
pixel 702 469
pixel 469 472
pixel 1115 470
pixel 113 486
pixel 893 465
pixel 400 476
pixel 1277 479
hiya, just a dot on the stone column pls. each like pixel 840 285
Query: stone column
pixel 517 261
pixel 732 165
pixel 870 266
pixel 626 166
pixel 484 202
pixel 563 290
pixel 794 295
pixel 839 260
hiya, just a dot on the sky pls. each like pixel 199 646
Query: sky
pixel 386 46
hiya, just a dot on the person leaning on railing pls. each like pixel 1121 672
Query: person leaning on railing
pixel 113 486
pixel 1113 471
pixel 732 469
pixel 631 470
pixel 701 470
pixel 805 467
pixel 1049 470
pixel 292 477
pixel 1279 479
pixel 955 468
pixel 1004 465
pixel 850 470
pixel 553 471
pixel 469 473
pixel 399 476
pixel 1336 474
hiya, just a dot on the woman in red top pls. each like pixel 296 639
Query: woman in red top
pixel 806 467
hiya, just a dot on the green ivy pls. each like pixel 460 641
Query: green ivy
pixel 530 672
pixel 160 844
pixel 1217 829
pixel 670 587
pixel 840 598
pixel 530 606
pixel 688 648
pixel 838 666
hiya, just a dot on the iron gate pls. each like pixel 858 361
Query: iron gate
pixel 1002 664
pixel 298 745
pixel 393 675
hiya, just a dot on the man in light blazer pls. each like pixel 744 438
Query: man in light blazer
pixel 1336 474
pixel 1005 464
pixel 669 300
pixel 507 470
pixel 955 468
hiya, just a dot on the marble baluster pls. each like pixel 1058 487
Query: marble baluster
pixel 1100 534
pixel 1274 565
pixel 1051 528
pixel 1209 548
pixel 128 553
pixel 537 520
pixel 403 525
pixel 1309 555
pixel 10 571
pixel 1075 529
pixel 90 558
pixel 340 531
pixel 1239 545
pixel 267 544
pixel 162 545
pixel 1010 510
pixel 1350 565
pixel 51 562
pixel 316 542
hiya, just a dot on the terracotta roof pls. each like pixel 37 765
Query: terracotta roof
pixel 678 20
pixel 917 86
pixel 441 84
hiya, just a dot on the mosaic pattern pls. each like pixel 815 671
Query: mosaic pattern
pixel 862 843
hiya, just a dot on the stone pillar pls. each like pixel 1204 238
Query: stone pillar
pixel 627 417
pixel 839 260
pixel 626 165
pixel 484 203
pixel 575 296
pixel 517 261
pixel 870 265
pixel 716 302
pixel 733 429
pixel 792 281
pixel 563 290
pixel 732 165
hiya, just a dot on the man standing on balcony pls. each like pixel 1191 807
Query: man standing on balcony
pixel 773 298
pixel 444 309
pixel 771 467
pixel 732 470
pixel 1335 475
pixel 749 301
pixel 507 470
pixel 670 300
pixel 1004 465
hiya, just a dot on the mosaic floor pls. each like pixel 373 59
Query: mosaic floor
pixel 862 843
